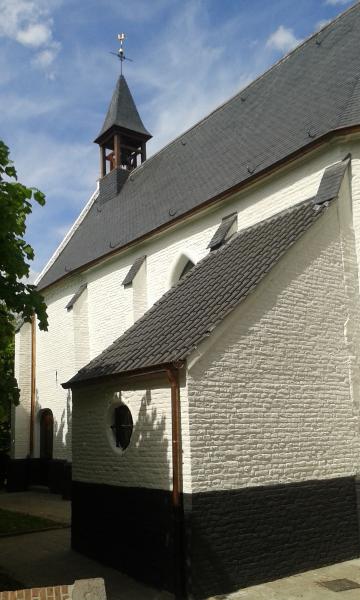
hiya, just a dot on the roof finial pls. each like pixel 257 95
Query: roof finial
pixel 121 52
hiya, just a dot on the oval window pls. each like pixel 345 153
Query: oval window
pixel 122 426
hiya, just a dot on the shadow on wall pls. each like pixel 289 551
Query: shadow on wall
pixel 129 525
pixel 62 441
pixel 61 431
pixel 49 465
pixel 147 453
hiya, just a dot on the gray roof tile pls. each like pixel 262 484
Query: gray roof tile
pixel 133 270
pixel 311 92
pixel 220 234
pixel 75 297
pixel 331 182
pixel 189 311
pixel 122 111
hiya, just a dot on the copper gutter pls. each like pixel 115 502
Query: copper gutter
pixel 177 485
pixel 173 377
pixel 123 376
pixel 239 187
pixel 33 384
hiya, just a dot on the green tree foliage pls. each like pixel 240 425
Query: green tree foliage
pixel 9 392
pixel 16 296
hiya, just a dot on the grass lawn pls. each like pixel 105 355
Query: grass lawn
pixel 14 523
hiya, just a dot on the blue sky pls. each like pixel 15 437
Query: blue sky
pixel 57 78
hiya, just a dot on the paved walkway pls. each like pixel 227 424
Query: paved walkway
pixel 38 503
pixel 305 586
pixel 45 558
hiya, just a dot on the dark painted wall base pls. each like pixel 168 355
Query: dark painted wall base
pixel 54 473
pixel 244 537
pixel 127 528
pixel 233 538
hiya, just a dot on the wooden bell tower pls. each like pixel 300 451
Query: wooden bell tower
pixel 122 148
pixel 122 139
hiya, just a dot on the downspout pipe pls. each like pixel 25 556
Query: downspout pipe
pixel 177 483
pixel 33 385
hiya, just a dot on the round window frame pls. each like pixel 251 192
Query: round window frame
pixel 110 422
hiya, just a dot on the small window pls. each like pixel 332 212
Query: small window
pixel 189 265
pixel 122 426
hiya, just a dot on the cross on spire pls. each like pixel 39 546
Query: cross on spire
pixel 121 52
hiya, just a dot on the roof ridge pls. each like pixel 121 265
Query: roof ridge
pixel 249 85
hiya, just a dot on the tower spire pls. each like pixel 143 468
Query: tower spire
pixel 123 132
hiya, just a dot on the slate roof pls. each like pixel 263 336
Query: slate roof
pixel 122 112
pixel 75 297
pixel 133 270
pixel 311 92
pixel 220 234
pixel 189 311
pixel 331 181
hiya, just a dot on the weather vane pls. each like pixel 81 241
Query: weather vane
pixel 121 52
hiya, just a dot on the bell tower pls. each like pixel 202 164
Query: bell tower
pixel 123 136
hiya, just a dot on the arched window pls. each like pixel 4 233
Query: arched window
pixel 188 266
pixel 183 264
pixel 46 433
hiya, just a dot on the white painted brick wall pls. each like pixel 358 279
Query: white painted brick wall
pixel 56 360
pixel 81 331
pixel 355 184
pixel 147 460
pixel 140 287
pixel 270 399
pixel 110 306
pixel 21 432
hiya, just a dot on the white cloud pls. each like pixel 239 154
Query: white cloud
pixel 138 10
pixel 322 23
pixel 35 35
pixel 189 74
pixel 46 57
pixel 33 275
pixel 63 165
pixel 66 173
pixel 282 39
pixel 29 23
pixel 19 108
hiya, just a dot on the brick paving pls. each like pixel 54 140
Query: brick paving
pixel 59 592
